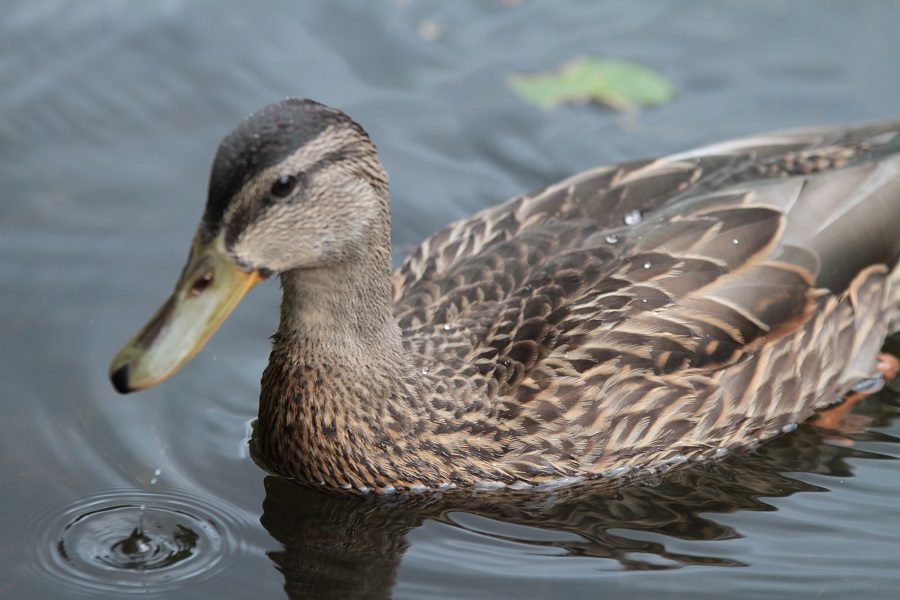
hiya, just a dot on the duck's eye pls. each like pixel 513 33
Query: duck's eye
pixel 283 186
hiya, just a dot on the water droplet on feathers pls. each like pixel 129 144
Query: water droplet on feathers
pixel 633 217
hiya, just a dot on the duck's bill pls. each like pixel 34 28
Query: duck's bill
pixel 210 286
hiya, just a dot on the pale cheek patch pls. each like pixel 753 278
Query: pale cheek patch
pixel 312 231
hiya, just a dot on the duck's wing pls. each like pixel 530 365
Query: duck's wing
pixel 832 187
pixel 662 309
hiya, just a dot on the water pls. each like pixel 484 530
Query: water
pixel 109 116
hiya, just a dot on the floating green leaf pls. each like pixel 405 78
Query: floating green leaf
pixel 618 84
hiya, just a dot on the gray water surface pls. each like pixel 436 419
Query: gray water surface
pixel 110 112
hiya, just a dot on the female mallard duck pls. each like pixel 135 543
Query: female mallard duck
pixel 629 317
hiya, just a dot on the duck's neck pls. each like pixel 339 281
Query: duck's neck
pixel 337 398
pixel 343 312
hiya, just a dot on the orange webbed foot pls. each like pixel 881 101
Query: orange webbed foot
pixel 838 419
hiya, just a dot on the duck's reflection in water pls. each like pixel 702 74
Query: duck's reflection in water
pixel 349 547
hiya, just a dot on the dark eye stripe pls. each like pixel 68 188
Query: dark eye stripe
pixel 283 186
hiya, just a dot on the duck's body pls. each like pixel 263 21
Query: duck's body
pixel 629 317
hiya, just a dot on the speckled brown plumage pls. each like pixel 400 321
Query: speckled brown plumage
pixel 629 317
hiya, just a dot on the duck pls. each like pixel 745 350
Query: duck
pixel 627 319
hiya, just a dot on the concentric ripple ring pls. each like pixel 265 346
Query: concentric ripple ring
pixel 134 542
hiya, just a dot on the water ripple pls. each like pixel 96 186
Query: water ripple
pixel 134 542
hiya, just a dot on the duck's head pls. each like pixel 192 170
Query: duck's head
pixel 296 186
